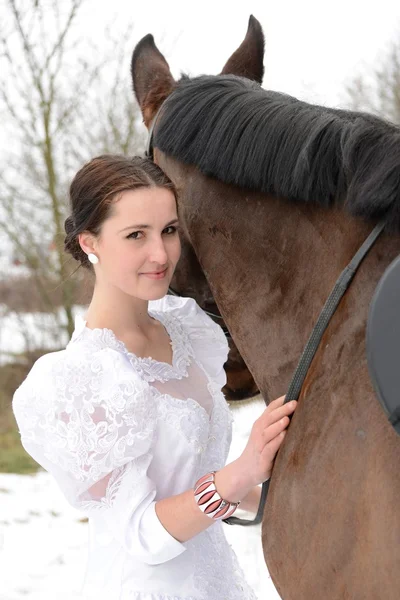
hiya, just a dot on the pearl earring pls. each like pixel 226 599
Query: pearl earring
pixel 93 258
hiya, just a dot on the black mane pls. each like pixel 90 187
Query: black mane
pixel 239 133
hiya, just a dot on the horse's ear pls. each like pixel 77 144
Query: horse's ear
pixel 151 77
pixel 248 60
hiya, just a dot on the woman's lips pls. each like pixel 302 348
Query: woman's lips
pixel 158 275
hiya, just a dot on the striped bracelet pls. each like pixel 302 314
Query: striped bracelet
pixel 209 501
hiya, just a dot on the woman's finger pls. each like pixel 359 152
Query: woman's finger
pixel 275 403
pixel 273 446
pixel 270 432
pixel 279 412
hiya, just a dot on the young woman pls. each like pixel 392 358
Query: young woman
pixel 130 418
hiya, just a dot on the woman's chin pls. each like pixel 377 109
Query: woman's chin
pixel 157 296
pixel 157 293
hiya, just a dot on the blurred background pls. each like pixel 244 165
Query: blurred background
pixel 66 96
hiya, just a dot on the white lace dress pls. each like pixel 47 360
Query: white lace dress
pixel 119 433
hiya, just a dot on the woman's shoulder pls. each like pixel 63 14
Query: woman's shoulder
pixel 79 357
pixel 44 366
pixel 75 374
pixel 38 381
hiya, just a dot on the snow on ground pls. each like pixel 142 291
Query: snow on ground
pixel 43 539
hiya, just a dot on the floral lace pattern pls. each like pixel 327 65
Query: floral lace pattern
pixel 220 577
pixel 97 418
pixel 187 418
pixel 220 435
pixel 147 368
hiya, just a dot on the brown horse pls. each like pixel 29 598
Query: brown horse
pixel 275 197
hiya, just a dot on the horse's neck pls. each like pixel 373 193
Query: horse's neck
pixel 272 265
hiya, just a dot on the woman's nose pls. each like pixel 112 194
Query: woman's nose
pixel 158 253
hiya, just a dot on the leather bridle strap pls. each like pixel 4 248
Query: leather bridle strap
pixel 312 345
pixel 328 311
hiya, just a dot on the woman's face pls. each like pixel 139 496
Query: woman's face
pixel 138 246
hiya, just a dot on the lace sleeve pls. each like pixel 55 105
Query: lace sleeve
pixel 90 421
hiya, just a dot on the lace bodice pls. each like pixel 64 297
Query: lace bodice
pixel 149 370
pixel 119 433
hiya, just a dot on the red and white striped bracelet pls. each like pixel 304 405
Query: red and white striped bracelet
pixel 209 501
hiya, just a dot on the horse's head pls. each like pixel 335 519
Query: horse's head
pixel 153 83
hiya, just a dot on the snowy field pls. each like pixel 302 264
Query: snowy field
pixel 43 539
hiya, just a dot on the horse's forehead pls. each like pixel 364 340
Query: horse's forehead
pixel 179 172
pixel 188 179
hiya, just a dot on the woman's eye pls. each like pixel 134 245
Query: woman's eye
pixel 170 230
pixel 137 235
pixel 134 235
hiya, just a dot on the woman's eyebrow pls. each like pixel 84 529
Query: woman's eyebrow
pixel 144 226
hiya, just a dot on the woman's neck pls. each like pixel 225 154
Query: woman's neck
pixel 112 309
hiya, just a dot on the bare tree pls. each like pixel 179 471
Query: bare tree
pixel 378 91
pixel 63 100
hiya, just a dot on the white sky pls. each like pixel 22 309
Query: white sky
pixel 312 46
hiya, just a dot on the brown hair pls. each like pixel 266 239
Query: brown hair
pixel 94 189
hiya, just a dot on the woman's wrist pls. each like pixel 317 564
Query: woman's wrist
pixel 231 483
pixel 251 501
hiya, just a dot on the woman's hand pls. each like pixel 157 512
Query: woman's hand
pixel 266 437
pixel 254 465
